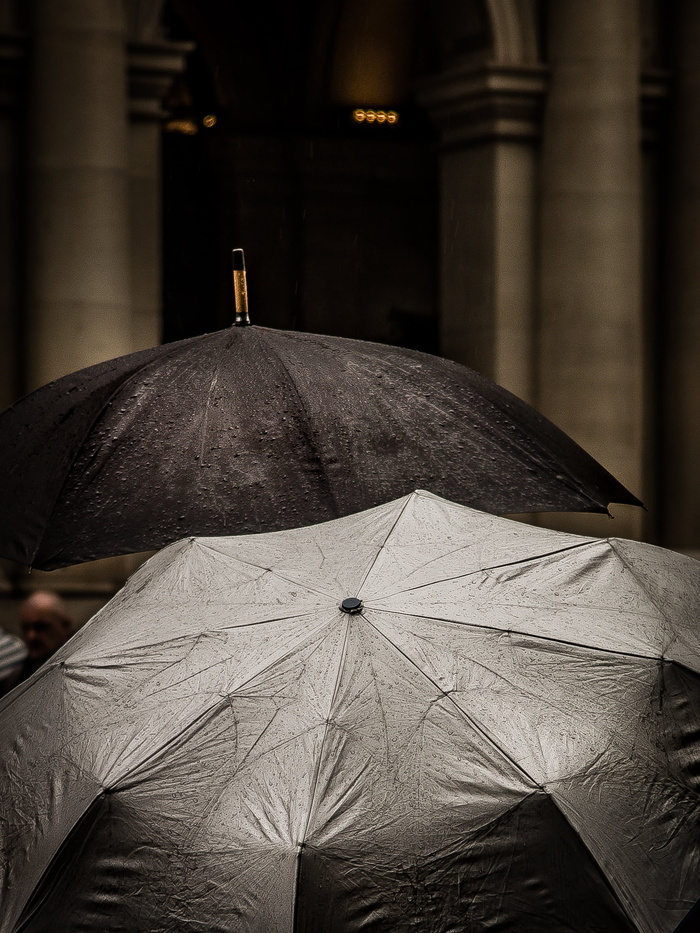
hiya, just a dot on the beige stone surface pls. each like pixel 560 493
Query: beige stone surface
pixel 78 243
pixel 590 368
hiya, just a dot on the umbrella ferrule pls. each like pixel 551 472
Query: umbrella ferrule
pixel 240 289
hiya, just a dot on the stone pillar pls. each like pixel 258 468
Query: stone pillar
pixel 489 121
pixel 591 333
pixel 78 221
pixel 152 66
pixel 681 390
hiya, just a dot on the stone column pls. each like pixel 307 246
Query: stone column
pixel 78 220
pixel 681 390
pixel 489 120
pixel 152 67
pixel 591 348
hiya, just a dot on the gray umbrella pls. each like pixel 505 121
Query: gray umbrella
pixel 252 429
pixel 421 717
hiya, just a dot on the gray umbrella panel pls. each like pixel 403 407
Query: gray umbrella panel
pixel 503 738
pixel 252 429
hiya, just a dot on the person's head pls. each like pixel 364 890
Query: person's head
pixel 46 624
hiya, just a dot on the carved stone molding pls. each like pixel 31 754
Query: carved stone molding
pixel 489 102
pixel 152 68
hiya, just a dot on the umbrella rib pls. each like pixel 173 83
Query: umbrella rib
pixel 314 784
pixel 512 631
pixel 221 700
pixel 317 769
pixel 475 725
pixel 276 660
pixel 515 764
pixel 540 454
pixel 389 533
pixel 304 425
pixel 639 581
pixel 180 639
pixel 212 388
pixel 275 573
pixel 118 387
pixel 31 906
pixel 603 875
pixel 215 801
pixel 510 563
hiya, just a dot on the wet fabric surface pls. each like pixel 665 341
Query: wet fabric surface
pixel 252 429
pixel 503 738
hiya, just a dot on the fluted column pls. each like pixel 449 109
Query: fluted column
pixel 78 288
pixel 489 117
pixel 591 335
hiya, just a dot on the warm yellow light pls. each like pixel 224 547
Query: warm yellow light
pixel 187 127
pixel 209 120
pixel 375 116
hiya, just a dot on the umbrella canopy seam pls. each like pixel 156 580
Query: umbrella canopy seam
pixel 606 878
pixel 380 548
pixel 317 764
pixel 123 783
pixel 473 573
pixel 520 633
pixel 541 458
pixel 220 701
pixel 614 545
pixel 314 781
pixel 303 426
pixel 447 694
pixel 277 659
pixel 274 573
pixel 24 918
pixel 183 639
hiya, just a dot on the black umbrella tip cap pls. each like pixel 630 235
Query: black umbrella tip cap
pixel 351 605
pixel 238 260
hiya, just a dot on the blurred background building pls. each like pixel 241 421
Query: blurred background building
pixel 514 184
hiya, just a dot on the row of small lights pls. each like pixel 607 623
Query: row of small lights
pixel 375 116
pixel 189 127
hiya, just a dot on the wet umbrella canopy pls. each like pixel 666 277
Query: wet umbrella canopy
pixel 252 429
pixel 419 717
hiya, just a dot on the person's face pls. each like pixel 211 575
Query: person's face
pixel 43 632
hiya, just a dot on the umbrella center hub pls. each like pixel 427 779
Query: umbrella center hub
pixel 352 604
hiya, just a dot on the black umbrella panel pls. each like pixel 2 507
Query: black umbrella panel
pixel 251 429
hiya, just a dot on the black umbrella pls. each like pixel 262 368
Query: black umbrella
pixel 251 429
